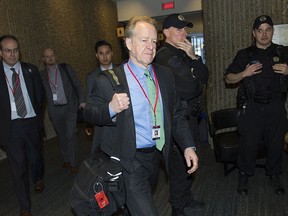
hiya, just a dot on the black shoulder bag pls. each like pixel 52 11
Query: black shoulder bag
pixel 98 188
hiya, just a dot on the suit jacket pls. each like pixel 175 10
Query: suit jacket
pixel 90 79
pixel 72 88
pixel 97 112
pixel 36 94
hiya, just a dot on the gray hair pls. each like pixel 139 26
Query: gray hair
pixel 129 30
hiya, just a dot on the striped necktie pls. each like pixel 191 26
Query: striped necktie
pixel 157 118
pixel 18 95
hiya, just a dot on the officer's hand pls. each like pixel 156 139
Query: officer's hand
pixel 190 156
pixel 252 69
pixel 119 102
pixel 281 68
pixel 187 47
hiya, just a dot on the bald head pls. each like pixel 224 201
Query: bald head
pixel 49 57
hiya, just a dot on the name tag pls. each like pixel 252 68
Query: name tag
pixel 54 97
pixel 156 132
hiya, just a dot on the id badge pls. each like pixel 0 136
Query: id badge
pixel 13 106
pixel 54 97
pixel 156 132
pixel 101 199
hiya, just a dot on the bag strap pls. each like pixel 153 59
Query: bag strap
pixel 64 66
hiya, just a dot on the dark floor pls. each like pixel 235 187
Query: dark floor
pixel 210 185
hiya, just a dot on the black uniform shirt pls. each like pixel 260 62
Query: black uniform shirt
pixel 188 74
pixel 267 82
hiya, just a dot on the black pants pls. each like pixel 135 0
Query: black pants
pixel 25 149
pixel 180 180
pixel 139 184
pixel 259 122
pixel 65 124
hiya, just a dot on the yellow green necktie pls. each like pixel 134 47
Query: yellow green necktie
pixel 157 118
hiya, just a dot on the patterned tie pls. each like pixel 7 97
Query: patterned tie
pixel 18 95
pixel 159 120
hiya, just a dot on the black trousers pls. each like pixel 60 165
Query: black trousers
pixel 259 122
pixel 180 180
pixel 25 149
pixel 65 124
pixel 139 184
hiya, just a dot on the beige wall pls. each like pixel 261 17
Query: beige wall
pixel 69 26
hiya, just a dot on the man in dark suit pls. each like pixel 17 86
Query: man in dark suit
pixel 64 97
pixel 145 132
pixel 21 128
pixel 104 54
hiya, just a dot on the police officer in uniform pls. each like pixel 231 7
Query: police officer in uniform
pixel 261 70
pixel 190 75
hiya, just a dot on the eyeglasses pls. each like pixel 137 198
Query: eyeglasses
pixel 10 51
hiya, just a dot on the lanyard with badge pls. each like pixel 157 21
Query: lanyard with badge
pixel 54 85
pixel 156 127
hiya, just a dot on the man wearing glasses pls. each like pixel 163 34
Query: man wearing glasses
pixel 21 129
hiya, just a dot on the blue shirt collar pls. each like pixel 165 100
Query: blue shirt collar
pixel 139 71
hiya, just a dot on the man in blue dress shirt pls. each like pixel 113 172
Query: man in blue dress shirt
pixel 132 113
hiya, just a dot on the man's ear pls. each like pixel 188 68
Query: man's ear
pixel 253 33
pixel 166 32
pixel 128 42
pixel 96 55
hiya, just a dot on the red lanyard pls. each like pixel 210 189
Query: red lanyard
pixel 17 84
pixel 56 77
pixel 157 89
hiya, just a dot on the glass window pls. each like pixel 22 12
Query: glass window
pixel 197 41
